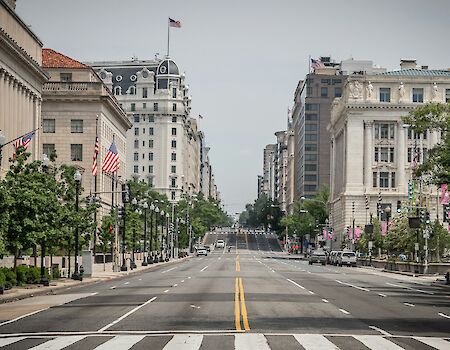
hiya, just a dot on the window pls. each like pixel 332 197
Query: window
pixel 143 143
pixel 133 107
pixel 144 105
pixel 117 90
pixel 150 156
pixel 151 118
pixel 174 119
pixel 173 182
pixel 150 181
pixel 309 90
pixel 174 92
pixel 143 131
pixel 136 131
pixel 136 143
pixel 393 179
pixel 336 81
pixel 417 95
pixel 385 95
pixel 136 156
pixel 425 134
pixel 310 167
pixel 136 169
pixel 174 107
pixel 174 143
pixel 136 118
pixel 311 117
pixel 144 92
pixel 310 147
pixel 173 195
pixel 76 152
pixel 310 157
pixel 155 106
pixel 384 179
pixel 65 77
pixel 383 154
pixel 310 188
pixel 173 169
pixel 174 157
pixel 143 168
pixel 337 92
pixel 174 131
pixel 150 143
pixel 384 131
pixel 150 131
pixel 410 152
pixel 323 92
pixel 48 148
pixel 311 127
pixel 377 158
pixel 424 154
pixel 325 81
pixel 132 90
pixel 310 137
pixel 48 126
pixel 391 154
pixel 311 107
pixel 310 177
pixel 374 179
pixel 150 169
pixel 447 95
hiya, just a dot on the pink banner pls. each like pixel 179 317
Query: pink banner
pixel 383 228
pixel 357 233
pixel 325 234
pixel 444 195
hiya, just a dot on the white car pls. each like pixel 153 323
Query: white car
pixel 346 258
pixel 201 251
pixel 220 243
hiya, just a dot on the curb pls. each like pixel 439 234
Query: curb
pixel 39 291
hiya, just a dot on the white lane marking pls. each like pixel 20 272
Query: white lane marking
pixel 113 287
pixel 443 315
pixel 344 311
pixel 438 343
pixel 409 288
pixel 175 285
pixel 184 342
pixel 295 283
pixel 59 342
pixel 122 342
pixel 314 342
pixel 23 316
pixel 308 271
pixel 376 342
pixel 311 292
pixel 189 277
pixel 382 295
pixel 204 268
pixel 166 291
pixel 126 315
pixel 140 279
pixel 325 300
pixel 173 268
pixel 353 286
pixel 245 341
pixel 7 341
pixel 408 304
pixel 127 283
pixel 387 334
pixel 182 281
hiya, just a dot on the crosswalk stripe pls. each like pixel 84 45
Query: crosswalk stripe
pixel 375 342
pixel 7 341
pixel 59 343
pixel 121 342
pixel 250 341
pixel 185 342
pixel 438 343
pixel 315 342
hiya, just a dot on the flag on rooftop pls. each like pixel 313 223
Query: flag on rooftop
pixel 24 141
pixel 173 23
pixel 316 63
pixel 200 116
pixel 94 160
pixel 111 163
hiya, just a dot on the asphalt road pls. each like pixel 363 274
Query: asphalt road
pixel 245 299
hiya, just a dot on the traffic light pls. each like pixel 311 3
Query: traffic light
pixel 446 213
pixel 427 217
pixel 126 193
pixel 120 212
pixel 410 190
pixel 422 215
pixel 399 206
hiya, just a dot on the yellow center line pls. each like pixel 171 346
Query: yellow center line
pixel 243 307
pixel 238 266
pixel 237 313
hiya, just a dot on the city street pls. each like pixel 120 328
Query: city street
pixel 245 299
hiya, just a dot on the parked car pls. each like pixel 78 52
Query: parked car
pixel 346 258
pixel 333 257
pixel 201 251
pixel 318 256
pixel 220 243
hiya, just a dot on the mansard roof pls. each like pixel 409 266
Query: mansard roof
pixel 416 72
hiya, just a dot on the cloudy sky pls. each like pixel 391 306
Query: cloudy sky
pixel 243 59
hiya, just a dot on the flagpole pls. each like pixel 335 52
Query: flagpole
pixel 95 191
pixel 309 64
pixel 168 37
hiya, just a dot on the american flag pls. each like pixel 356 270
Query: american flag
pixel 174 23
pixel 24 141
pixel 111 162
pixel 316 63
pixel 200 116
pixel 94 160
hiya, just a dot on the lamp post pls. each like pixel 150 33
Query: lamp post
pixel 133 244
pixel 44 279
pixel 2 142
pixel 161 237
pixel 144 261
pixel 167 252
pixel 387 210
pixel 150 250
pixel 156 259
pixel 77 178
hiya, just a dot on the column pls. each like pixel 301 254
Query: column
pixel 401 154
pixel 368 154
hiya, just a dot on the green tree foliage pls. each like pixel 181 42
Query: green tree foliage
pixel 263 213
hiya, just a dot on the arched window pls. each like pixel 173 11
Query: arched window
pixel 117 90
pixel 132 90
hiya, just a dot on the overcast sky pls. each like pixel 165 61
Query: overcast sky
pixel 243 59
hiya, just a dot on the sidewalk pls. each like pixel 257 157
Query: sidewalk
pixel 18 293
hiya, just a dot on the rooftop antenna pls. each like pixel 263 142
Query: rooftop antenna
pixel 156 56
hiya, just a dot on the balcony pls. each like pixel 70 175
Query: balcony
pixel 74 88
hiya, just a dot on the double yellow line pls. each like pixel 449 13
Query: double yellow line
pixel 240 308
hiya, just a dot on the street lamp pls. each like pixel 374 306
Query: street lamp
pixel 133 244
pixel 150 255
pixel 156 259
pixel 161 240
pixel 2 142
pixel 144 261
pixel 77 178
pixel 44 279
pixel 167 237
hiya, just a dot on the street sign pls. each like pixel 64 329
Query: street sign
pixel 426 234
pixel 416 247
pixel 370 245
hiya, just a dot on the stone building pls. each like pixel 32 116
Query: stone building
pixel 268 183
pixel 76 106
pixel 372 151
pixel 21 80
pixel 281 163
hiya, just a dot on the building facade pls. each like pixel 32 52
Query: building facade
pixel 281 163
pixel 268 181
pixel 21 80
pixel 372 152
pixel 164 144
pixel 76 107
pixel 290 171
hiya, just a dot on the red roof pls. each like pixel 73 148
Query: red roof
pixel 53 59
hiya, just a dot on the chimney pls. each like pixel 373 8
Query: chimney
pixel 408 64
pixel 424 67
